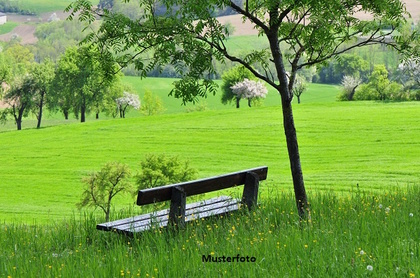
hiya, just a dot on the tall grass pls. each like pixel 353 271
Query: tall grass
pixel 348 235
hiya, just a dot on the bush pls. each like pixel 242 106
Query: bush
pixel 104 185
pixel 160 170
pixel 151 104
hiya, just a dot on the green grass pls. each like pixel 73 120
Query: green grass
pixel 42 6
pixel 375 145
pixel 7 27
pixel 347 235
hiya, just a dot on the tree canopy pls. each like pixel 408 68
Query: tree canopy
pixel 301 33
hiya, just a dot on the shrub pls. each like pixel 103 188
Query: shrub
pixel 151 104
pixel 160 170
pixel 104 185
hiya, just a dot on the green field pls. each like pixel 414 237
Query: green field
pixel 7 27
pixel 375 145
pixel 42 6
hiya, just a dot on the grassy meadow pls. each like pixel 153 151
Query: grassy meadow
pixel 350 235
pixel 42 6
pixel 375 145
pixel 360 161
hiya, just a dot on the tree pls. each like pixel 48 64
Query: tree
pixel 103 186
pixel 80 81
pixel 43 75
pixel 157 170
pixel 126 101
pixel 19 99
pixel 379 86
pixel 230 78
pixel 249 89
pixel 349 84
pixel 190 37
pixel 299 87
pixel 151 104
pixel 410 69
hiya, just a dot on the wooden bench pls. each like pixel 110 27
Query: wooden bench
pixel 179 212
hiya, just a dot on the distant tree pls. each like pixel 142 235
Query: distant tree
pixel 43 75
pixel 55 37
pixel 80 81
pixel 349 85
pixel 250 90
pixel 106 4
pixel 379 86
pixel 230 78
pixel 157 170
pixel 103 186
pixel 151 104
pixel 19 99
pixel 299 87
pixel 410 69
pixel 126 101
pixel 345 64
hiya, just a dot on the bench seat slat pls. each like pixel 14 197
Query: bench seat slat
pixel 202 209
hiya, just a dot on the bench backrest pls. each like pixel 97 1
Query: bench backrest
pixel 163 193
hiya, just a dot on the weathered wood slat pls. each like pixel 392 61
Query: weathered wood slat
pixel 203 209
pixel 163 193
pixel 108 225
pixel 161 217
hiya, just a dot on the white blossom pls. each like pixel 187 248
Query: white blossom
pixel 129 99
pixel 369 267
pixel 249 89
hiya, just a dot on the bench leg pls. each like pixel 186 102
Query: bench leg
pixel 250 194
pixel 177 209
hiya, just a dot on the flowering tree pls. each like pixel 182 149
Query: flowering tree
pixel 126 101
pixel 349 84
pixel 249 89
pixel 411 71
pixel 299 87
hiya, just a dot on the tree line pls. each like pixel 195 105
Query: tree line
pixel 76 83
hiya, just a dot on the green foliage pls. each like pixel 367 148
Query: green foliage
pixel 151 104
pixel 19 58
pixel 82 80
pixel 9 6
pixel 56 36
pixel 157 170
pixel 379 87
pixel 103 186
pixel 344 65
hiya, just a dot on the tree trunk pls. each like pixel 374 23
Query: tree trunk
pixel 352 93
pixel 97 115
pixel 41 105
pixel 237 102
pixel 19 124
pixel 249 102
pixel 294 159
pixel 66 114
pixel 289 125
pixel 298 97
pixel 82 114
